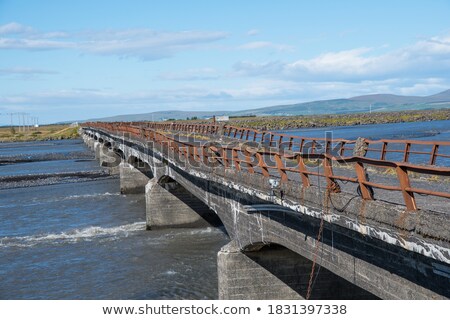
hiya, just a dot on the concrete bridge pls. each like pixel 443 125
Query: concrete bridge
pixel 297 228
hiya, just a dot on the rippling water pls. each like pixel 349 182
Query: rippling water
pixel 84 240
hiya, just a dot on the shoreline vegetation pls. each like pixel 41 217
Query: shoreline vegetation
pixel 42 133
pixel 272 123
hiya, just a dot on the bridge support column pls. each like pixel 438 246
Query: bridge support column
pixel 108 158
pixel 90 143
pixel 132 180
pixel 97 147
pixel 114 170
pixel 241 277
pixel 103 158
pixel 275 272
pixel 170 205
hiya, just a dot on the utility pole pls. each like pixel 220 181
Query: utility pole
pixel 11 116
pixel 35 122
pixel 24 117
pixel 23 122
pixel 18 116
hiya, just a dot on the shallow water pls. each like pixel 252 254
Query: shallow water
pixel 85 240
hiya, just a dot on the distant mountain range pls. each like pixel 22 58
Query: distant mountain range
pixel 161 115
pixel 374 102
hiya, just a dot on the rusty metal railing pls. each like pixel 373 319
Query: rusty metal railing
pixel 409 151
pixel 402 150
pixel 289 157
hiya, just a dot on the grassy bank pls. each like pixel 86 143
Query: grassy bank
pixel 48 132
pixel 292 122
pixel 281 123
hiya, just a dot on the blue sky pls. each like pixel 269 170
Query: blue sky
pixel 63 60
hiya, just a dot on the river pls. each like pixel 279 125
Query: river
pixel 84 240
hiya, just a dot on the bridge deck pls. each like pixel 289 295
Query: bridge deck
pixel 290 157
pixel 380 176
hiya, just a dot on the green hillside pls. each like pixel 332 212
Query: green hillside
pixel 360 104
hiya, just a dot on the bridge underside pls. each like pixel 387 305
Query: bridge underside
pixel 170 205
pixel 275 272
pixel 274 242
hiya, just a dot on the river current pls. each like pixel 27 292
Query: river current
pixel 84 240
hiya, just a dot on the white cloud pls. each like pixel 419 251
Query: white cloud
pixel 34 44
pixel 144 44
pixel 191 75
pixel 434 45
pixel 24 71
pixel 147 44
pixel 14 28
pixel 344 62
pixel 267 69
pixel 252 32
pixel 265 45
pixel 426 58
pixel 423 87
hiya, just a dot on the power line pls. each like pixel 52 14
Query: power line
pixel 25 120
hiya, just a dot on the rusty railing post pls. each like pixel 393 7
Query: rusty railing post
pixel 302 168
pixel 226 162
pixel 235 159
pixel 383 151
pixel 406 152
pixel 433 154
pixel 361 174
pixel 248 163
pixel 280 167
pixel 327 163
pixel 408 196
pixel 262 165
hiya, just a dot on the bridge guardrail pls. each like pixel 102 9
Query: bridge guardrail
pixel 410 151
pixel 283 156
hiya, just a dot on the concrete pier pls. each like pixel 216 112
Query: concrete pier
pixel 132 180
pixel 168 204
pixel 240 277
pixel 109 159
pixel 97 147
pixel 90 142
pixel 274 272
